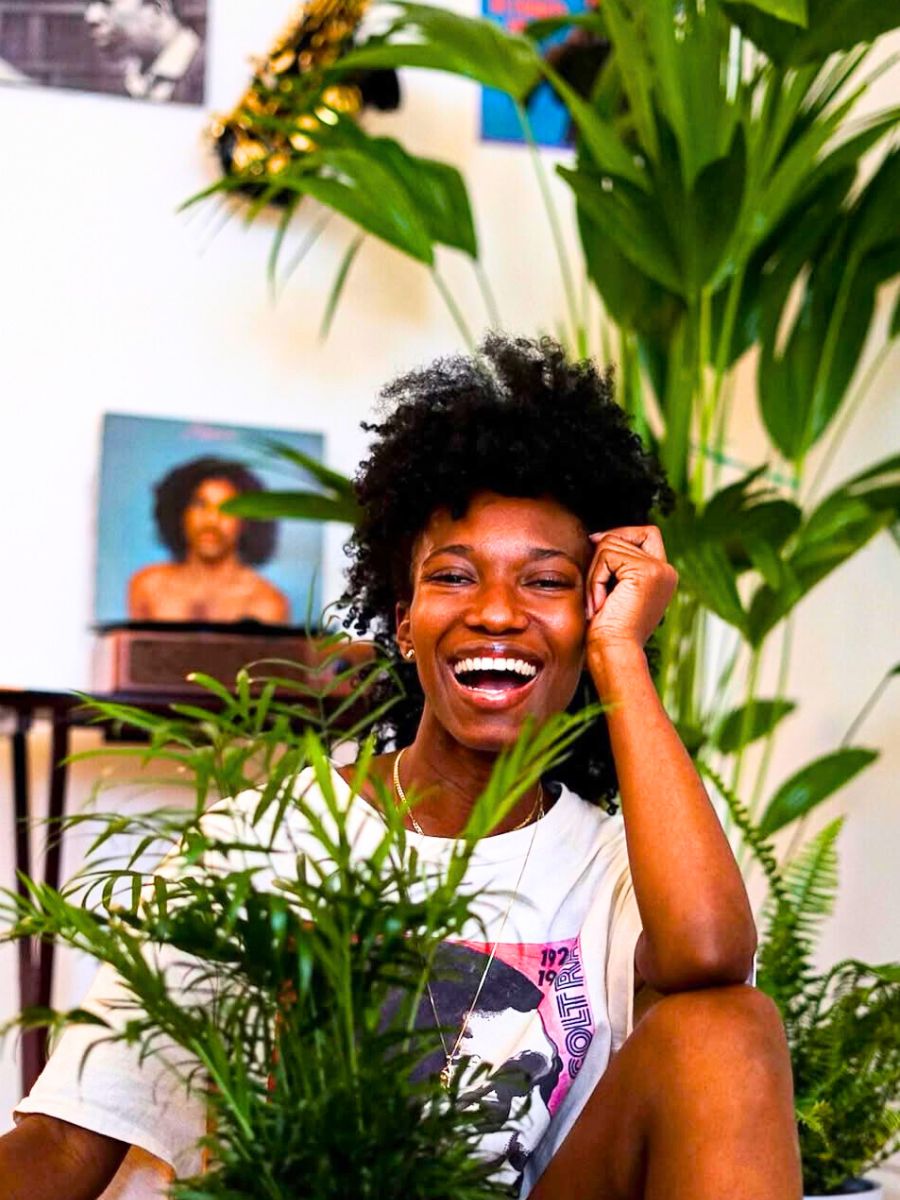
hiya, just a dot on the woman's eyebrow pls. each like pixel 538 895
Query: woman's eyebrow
pixel 455 548
pixel 534 554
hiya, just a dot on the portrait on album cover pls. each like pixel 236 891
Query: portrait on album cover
pixel 166 550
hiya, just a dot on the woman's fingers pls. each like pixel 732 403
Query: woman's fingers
pixel 642 537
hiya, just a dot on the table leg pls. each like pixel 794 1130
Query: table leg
pixel 59 770
pixel 29 967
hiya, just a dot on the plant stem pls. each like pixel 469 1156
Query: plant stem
pixel 553 220
pixel 454 309
pixel 704 406
pixel 487 292
pixel 845 740
pixel 868 706
pixel 749 696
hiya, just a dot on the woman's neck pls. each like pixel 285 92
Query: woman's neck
pixel 446 778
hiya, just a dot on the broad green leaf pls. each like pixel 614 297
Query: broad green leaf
pixel 837 529
pixel 751 527
pixel 432 37
pixel 802 385
pixel 798 240
pixel 632 221
pixel 875 219
pixel 688 47
pixel 369 194
pixel 811 785
pixel 435 189
pixel 633 300
pixel 832 25
pixel 439 194
pixel 331 479
pixel 765 558
pixel 636 72
pixel 711 215
pixel 705 572
pixel 850 150
pixel 789 172
pixel 599 137
pixel 439 190
pixel 793 11
pixel 304 506
pixel 546 26
pixel 878 485
pixel 761 716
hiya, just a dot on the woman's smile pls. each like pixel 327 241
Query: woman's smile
pixel 497 616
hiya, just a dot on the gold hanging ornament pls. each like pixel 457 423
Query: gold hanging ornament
pixel 290 105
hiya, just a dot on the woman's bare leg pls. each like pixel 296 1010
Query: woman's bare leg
pixel 697 1105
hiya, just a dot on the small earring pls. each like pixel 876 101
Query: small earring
pixel 409 655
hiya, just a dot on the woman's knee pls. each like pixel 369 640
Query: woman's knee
pixel 737 1024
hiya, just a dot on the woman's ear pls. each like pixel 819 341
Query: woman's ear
pixel 401 617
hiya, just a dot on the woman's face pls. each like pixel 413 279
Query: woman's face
pixel 504 583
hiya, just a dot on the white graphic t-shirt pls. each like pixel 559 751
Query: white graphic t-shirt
pixel 555 1004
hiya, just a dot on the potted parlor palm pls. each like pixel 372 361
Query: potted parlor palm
pixel 842 1025
pixel 295 1002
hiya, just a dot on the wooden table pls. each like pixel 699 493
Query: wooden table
pixel 62 711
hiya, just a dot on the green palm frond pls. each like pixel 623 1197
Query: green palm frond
pixel 842 1027
pixel 791 930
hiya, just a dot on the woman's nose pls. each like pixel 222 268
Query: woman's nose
pixel 495 607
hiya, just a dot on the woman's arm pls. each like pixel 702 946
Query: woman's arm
pixel 44 1158
pixel 698 924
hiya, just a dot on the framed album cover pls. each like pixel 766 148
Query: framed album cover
pixel 141 49
pixel 547 116
pixel 167 553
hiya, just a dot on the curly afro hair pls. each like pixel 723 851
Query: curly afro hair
pixel 516 418
pixel 257 540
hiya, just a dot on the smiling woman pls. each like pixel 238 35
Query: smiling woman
pixel 507 561
pixel 598 1008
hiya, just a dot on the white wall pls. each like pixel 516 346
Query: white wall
pixel 109 300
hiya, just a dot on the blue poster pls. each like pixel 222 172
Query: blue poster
pixel 548 117
pixel 166 552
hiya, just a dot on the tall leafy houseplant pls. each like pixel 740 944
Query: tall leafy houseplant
pixel 284 994
pixel 726 225
pixel 721 209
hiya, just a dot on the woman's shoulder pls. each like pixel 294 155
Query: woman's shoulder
pixel 585 824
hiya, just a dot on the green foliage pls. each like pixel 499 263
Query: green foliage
pixel 429 36
pixel 743 725
pixel 728 199
pixel 286 968
pixel 337 503
pixel 841 1026
pixel 832 26
pixel 811 785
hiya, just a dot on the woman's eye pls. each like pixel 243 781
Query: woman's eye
pixel 448 577
pixel 551 582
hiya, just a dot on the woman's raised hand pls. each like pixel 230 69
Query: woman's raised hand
pixel 629 584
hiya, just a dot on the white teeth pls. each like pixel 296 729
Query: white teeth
pixel 517 666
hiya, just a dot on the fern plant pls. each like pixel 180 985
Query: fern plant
pixel 282 988
pixel 843 1026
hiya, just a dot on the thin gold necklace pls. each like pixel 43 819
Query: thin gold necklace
pixel 398 788
pixel 450 1057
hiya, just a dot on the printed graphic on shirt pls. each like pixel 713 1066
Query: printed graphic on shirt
pixel 532 1020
